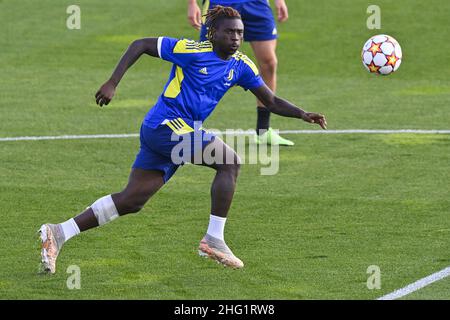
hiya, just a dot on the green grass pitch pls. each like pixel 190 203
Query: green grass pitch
pixel 339 203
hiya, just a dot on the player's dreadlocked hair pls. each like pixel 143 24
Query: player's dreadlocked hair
pixel 214 15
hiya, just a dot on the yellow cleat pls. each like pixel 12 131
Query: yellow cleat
pixel 270 137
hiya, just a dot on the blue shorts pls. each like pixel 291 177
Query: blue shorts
pixel 259 23
pixel 165 150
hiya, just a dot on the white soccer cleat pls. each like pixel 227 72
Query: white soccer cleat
pixel 217 250
pixel 51 238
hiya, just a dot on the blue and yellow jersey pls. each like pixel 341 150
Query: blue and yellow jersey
pixel 198 80
pixel 225 2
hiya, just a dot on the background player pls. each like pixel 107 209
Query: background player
pixel 201 74
pixel 260 30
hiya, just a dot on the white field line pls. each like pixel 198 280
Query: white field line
pixel 232 132
pixel 71 137
pixel 419 284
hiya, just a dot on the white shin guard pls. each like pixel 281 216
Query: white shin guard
pixel 105 210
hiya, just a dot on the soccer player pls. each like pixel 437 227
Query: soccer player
pixel 261 32
pixel 201 74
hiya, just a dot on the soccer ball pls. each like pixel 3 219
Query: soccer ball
pixel 381 54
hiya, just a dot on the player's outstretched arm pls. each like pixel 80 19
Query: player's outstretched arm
pixel 134 51
pixel 285 108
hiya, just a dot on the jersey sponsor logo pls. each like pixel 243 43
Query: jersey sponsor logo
pixel 203 70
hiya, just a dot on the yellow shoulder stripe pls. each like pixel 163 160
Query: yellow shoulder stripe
pixel 240 56
pixel 191 46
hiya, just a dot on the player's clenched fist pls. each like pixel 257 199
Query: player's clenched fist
pixel 105 93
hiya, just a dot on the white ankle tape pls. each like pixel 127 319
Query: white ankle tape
pixel 105 210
